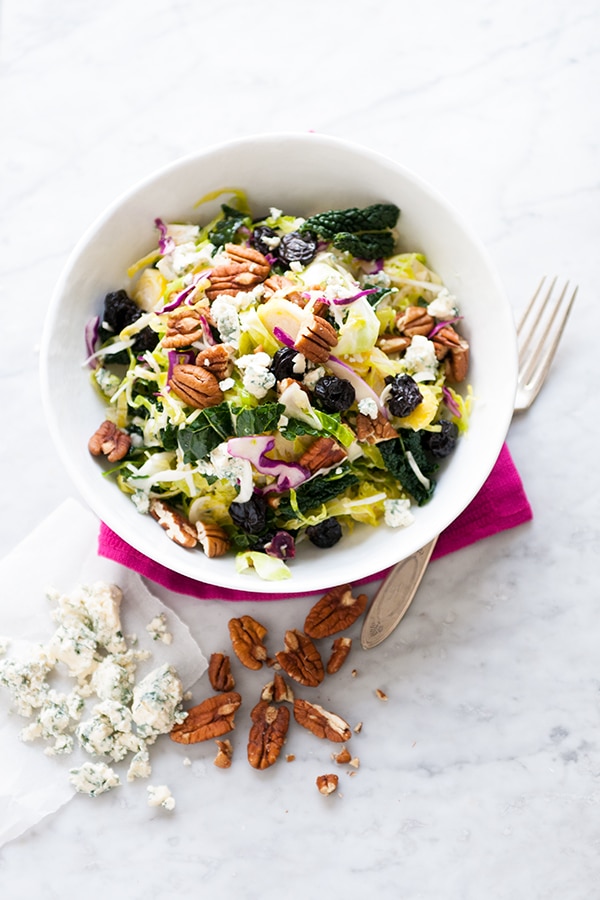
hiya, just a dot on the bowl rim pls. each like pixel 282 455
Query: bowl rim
pixel 230 579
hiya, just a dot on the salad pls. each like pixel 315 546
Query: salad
pixel 278 380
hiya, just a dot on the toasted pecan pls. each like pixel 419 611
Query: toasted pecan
pixel 210 719
pixel 334 612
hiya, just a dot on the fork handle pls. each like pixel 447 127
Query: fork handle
pixel 393 598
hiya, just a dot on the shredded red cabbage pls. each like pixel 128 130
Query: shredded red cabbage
pixel 254 448
pixel 344 301
pixel 281 546
pixel 363 390
pixel 91 336
pixel 166 243
pixel 283 337
pixel 208 335
pixel 179 358
pixel 451 402
pixel 438 327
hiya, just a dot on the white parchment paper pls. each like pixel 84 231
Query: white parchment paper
pixel 61 553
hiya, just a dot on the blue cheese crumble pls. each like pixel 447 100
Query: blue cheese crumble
pixel 160 795
pixel 156 705
pixel 397 513
pixel 93 779
pixel 89 647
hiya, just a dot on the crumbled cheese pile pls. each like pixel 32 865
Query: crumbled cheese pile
pixel 108 713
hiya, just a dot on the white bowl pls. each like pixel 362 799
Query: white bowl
pixel 303 174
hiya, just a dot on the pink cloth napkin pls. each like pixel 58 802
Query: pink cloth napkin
pixel 500 504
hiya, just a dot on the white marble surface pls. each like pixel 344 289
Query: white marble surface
pixel 480 777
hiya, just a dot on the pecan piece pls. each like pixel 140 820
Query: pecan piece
pixel 267 733
pixel 339 653
pixel 218 359
pixel 374 430
pixel 178 528
pixel 247 641
pixel 212 538
pixel 327 784
pixel 322 454
pixel 225 752
pixel 278 690
pixel 415 320
pixel 301 659
pixel 184 326
pixel 196 386
pixel 316 339
pixel 110 441
pixel 335 611
pixel 209 719
pixel 322 723
pixel 454 350
pixel 279 283
pixel 219 673
pixel 390 343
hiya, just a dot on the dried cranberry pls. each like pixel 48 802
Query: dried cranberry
pixel 295 247
pixel 283 364
pixel 334 394
pixel 119 311
pixel 404 396
pixel 325 534
pixel 250 516
pixel 258 239
pixel 441 443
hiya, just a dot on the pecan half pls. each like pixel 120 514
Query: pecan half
pixel 316 339
pixel 110 441
pixel 247 637
pixel 322 723
pixel 178 528
pixel 196 386
pixel 301 659
pixel 322 454
pixel 415 320
pixel 209 719
pixel 247 268
pixel 335 611
pixel 390 343
pixel 327 784
pixel 212 538
pixel 454 350
pixel 218 359
pixel 184 326
pixel 219 672
pixel 339 653
pixel 267 734
pixel 225 752
pixel 372 431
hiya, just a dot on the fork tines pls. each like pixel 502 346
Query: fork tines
pixel 539 332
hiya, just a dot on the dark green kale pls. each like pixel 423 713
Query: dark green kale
pixel 396 462
pixel 258 420
pixel 213 426
pixel 226 228
pixel 312 494
pixel 366 245
pixel 377 217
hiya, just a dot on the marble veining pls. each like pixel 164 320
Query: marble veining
pixel 480 774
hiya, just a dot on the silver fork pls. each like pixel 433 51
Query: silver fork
pixel 538 334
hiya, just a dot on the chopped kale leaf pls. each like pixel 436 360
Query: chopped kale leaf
pixel 376 217
pixel 394 456
pixel 226 228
